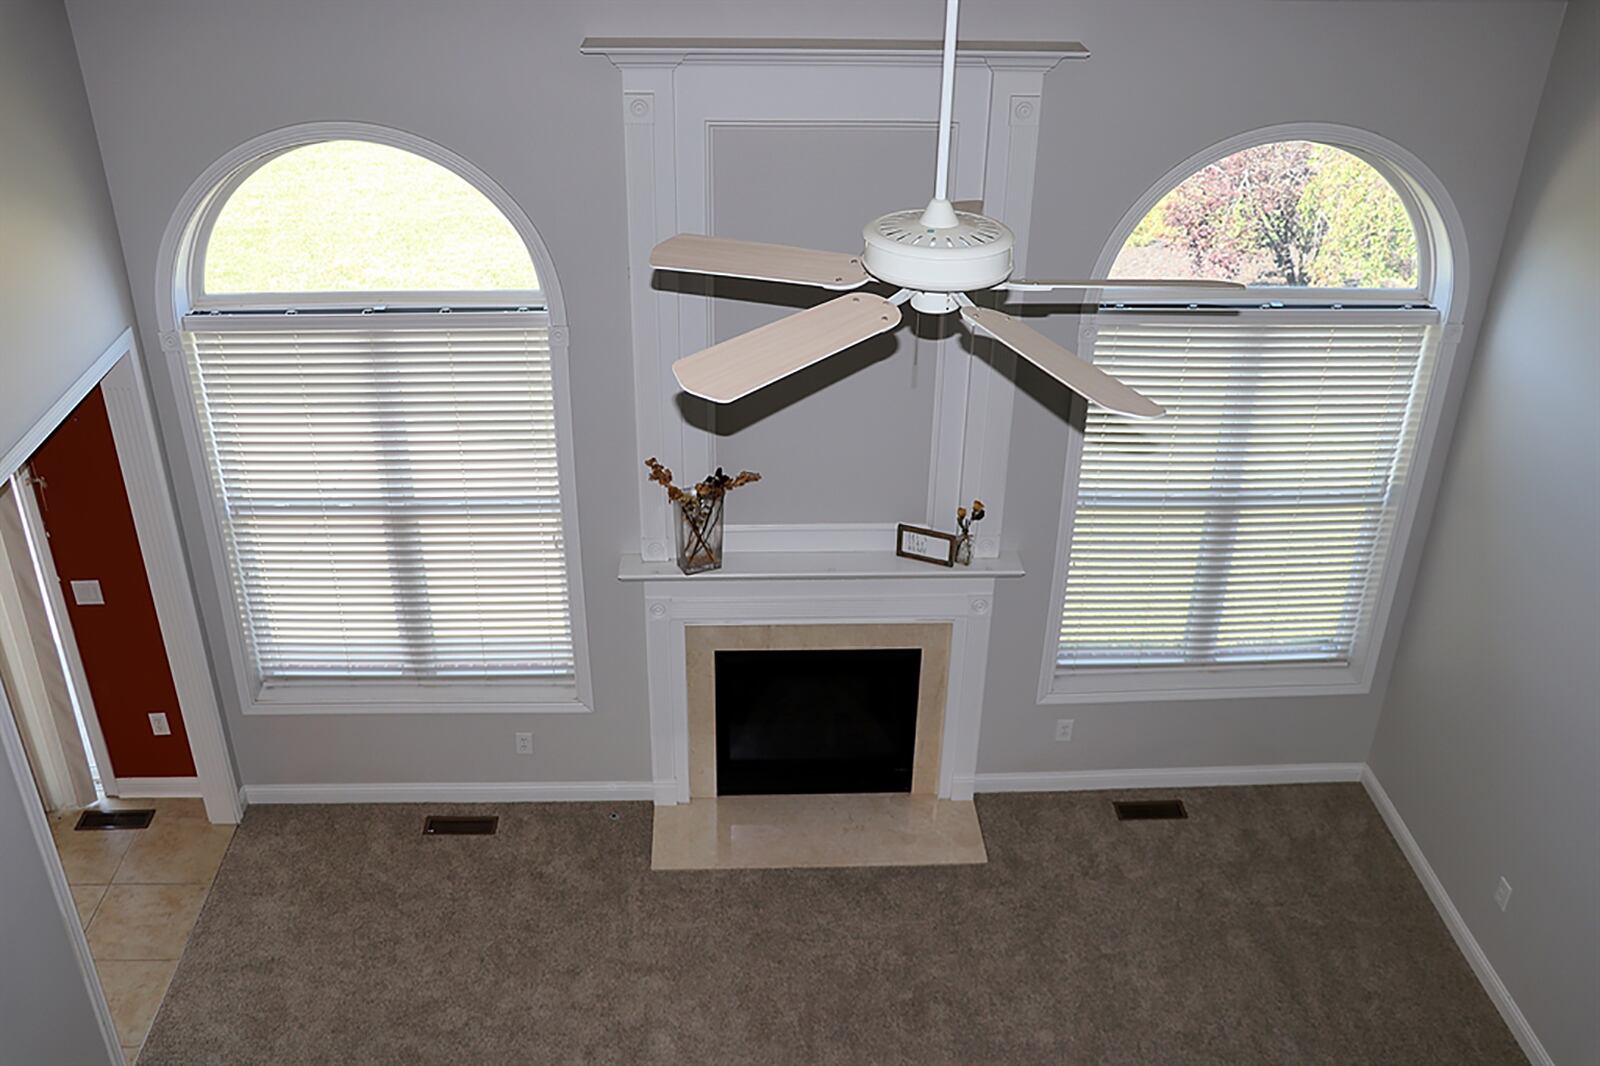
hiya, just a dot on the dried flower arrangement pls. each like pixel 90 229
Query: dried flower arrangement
pixel 964 520
pixel 699 514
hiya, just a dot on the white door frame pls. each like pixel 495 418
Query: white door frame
pixel 67 647
pixel 120 371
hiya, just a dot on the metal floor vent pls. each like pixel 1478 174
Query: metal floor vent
pixel 115 819
pixel 1147 810
pixel 458 826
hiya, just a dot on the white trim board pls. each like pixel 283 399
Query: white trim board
pixel 1169 777
pixel 155 520
pixel 448 792
pixel 1459 930
pixel 158 788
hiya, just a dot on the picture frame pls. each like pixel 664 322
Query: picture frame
pixel 925 545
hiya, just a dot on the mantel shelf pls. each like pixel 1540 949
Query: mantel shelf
pixel 779 566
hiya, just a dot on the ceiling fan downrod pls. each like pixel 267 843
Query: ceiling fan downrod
pixel 939 214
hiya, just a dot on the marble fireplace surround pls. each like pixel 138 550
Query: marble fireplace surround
pixel 702 642
pixel 836 599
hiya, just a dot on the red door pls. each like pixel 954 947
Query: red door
pixel 92 539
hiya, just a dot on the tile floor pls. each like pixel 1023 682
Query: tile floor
pixel 139 892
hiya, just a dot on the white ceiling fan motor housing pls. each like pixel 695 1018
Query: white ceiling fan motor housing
pixel 902 249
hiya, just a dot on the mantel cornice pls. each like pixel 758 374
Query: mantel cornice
pixel 658 52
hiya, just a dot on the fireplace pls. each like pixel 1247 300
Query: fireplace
pixel 809 707
pixel 816 720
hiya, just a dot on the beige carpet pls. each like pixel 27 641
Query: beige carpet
pixel 1275 925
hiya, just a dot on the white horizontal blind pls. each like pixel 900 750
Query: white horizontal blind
pixel 1253 522
pixel 389 493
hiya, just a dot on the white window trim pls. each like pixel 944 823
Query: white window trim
pixel 178 293
pixel 1443 275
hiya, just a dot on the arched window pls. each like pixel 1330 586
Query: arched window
pixel 1243 541
pixel 1294 214
pixel 369 354
pixel 359 217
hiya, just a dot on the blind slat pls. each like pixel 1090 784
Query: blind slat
pixel 1254 521
pixel 389 494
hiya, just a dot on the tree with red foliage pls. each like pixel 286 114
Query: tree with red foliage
pixel 1248 207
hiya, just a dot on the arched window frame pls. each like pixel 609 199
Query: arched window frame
pixel 180 293
pixel 1443 276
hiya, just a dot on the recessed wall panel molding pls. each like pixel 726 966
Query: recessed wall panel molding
pixel 804 142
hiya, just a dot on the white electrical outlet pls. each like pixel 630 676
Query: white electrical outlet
pixel 1063 728
pixel 159 725
pixel 1502 893
pixel 524 743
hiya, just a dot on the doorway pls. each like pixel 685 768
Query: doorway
pixel 105 694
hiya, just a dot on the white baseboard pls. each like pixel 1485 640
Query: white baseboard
pixel 1165 777
pixel 1456 924
pixel 445 792
pixel 158 788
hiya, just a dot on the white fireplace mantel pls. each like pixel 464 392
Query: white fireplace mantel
pixel 778 566
pixel 878 588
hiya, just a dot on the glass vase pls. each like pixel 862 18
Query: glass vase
pixel 700 536
pixel 964 549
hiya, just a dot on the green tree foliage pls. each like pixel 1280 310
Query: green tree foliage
pixel 1370 242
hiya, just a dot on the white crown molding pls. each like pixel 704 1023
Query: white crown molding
pixel 1515 1020
pixel 450 792
pixel 768 51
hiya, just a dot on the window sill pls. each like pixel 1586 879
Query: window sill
pixel 415 699
pixel 1163 684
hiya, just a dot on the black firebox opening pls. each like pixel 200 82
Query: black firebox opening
pixel 816 721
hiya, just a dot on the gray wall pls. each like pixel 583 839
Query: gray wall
pixel 45 1010
pixel 1489 744
pixel 63 293
pixel 176 83
pixel 63 300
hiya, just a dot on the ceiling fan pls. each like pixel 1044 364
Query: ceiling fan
pixel 936 255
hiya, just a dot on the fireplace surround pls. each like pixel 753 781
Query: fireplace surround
pixel 765 601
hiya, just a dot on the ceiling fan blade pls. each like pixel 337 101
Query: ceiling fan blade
pixel 1081 377
pixel 971 207
pixel 737 367
pixel 693 253
pixel 1018 285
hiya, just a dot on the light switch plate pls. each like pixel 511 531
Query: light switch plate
pixel 159 725
pixel 87 593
